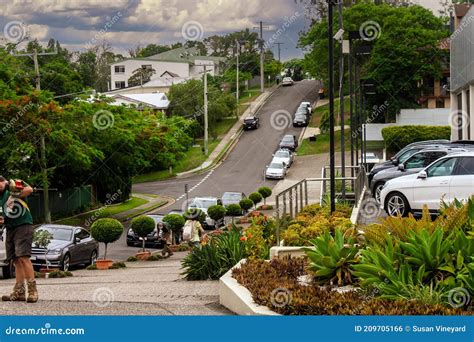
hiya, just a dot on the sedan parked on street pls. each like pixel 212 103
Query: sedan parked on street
pixel 307 105
pixel 69 246
pixel 449 178
pixel 300 120
pixel 284 156
pixel 230 197
pixel 287 81
pixel 153 239
pixel 276 170
pixel 289 142
pixel 251 122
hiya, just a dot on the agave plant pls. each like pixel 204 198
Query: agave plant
pixel 332 258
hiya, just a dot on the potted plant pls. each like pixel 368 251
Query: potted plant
pixel 176 223
pixel 266 192
pixel 142 226
pixel 106 230
pixel 216 213
pixel 256 198
pixel 245 204
pixel 41 239
pixel 233 210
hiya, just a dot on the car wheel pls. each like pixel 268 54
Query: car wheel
pixel 397 205
pixel 93 258
pixel 66 263
pixel 9 270
pixel 377 190
pixel 130 244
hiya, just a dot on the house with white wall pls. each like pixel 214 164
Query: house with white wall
pixel 180 63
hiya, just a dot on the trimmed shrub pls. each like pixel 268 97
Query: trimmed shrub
pixel 106 230
pixel 397 137
pixel 246 204
pixel 256 198
pixel 175 222
pixel 195 214
pixel 216 212
pixel 233 210
pixel 142 226
pixel 266 192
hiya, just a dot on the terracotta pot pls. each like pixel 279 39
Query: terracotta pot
pixel 103 264
pixel 45 271
pixel 174 248
pixel 143 255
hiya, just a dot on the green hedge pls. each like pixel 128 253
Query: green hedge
pixel 397 137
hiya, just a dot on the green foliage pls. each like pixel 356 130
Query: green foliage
pixel 266 192
pixel 397 137
pixel 195 214
pixel 216 212
pixel 256 198
pixel 106 230
pixel 233 210
pixel 117 265
pixel 246 203
pixel 175 221
pixel 332 258
pixel 216 257
pixel 142 226
pixel 132 259
pixel 140 76
pixel 42 238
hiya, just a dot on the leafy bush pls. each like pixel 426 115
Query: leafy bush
pixel 332 259
pixel 275 284
pixel 106 230
pixel 117 265
pixel 216 212
pixel 175 221
pixel 195 214
pixel 142 226
pixel 256 198
pixel 246 204
pixel 233 210
pixel 216 257
pixel 266 192
pixel 132 259
pixel 397 137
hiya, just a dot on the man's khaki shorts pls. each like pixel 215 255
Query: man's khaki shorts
pixel 18 242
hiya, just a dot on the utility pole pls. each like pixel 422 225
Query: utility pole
pixel 341 103
pixel 331 106
pixel 43 162
pixel 237 95
pixel 279 50
pixel 206 150
pixel 262 55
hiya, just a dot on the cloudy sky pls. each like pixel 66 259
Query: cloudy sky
pixel 78 24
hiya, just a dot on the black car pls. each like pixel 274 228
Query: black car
pixel 69 246
pixel 300 120
pixel 153 239
pixel 251 122
pixel 289 142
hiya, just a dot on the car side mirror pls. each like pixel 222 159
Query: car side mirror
pixel 422 175
pixel 394 161
pixel 401 167
pixel 77 240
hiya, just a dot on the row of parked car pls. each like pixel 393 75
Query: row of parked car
pixel 424 173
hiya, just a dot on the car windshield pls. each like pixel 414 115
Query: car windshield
pixel 232 196
pixel 403 158
pixel 282 154
pixel 276 166
pixel 287 139
pixel 249 120
pixel 203 203
pixel 62 234
pixel 299 116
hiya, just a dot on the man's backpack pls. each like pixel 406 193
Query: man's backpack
pixel 188 230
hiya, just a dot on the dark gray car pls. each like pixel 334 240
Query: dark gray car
pixel 69 246
pixel 289 142
pixel 413 164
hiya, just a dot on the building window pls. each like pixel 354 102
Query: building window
pixel 147 66
pixel 119 84
pixel 120 69
pixel 440 103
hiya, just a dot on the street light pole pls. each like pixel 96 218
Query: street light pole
pixel 351 105
pixel 332 181
pixel 237 80
pixel 206 137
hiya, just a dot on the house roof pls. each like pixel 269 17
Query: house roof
pixel 172 74
pixel 184 54
pixel 152 100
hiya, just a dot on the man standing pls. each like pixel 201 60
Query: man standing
pixel 16 217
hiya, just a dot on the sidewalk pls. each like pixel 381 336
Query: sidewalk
pixel 233 134
pixel 143 288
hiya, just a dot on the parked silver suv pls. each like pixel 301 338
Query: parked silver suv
pixel 8 270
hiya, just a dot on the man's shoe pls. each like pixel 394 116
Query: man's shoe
pixel 32 292
pixel 18 294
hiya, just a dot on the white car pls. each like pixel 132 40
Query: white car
pixel 307 105
pixel 276 170
pixel 203 203
pixel 8 270
pixel 284 156
pixel 287 81
pixel 448 178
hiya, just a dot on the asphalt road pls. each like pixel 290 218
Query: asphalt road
pixel 243 169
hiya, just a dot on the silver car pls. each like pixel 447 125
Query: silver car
pixel 284 156
pixel 8 269
pixel 276 170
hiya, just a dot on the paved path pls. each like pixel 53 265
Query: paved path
pixel 143 288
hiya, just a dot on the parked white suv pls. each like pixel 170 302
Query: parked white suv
pixel 448 178
pixel 7 267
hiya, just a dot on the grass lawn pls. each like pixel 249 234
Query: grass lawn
pixel 318 112
pixel 192 159
pixel 223 127
pixel 321 145
pixel 108 211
